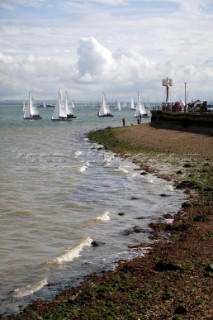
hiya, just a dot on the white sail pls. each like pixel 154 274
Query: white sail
pixel 132 104
pixel 31 111
pixel 118 105
pixel 68 106
pixel 27 113
pixel 44 104
pixel 104 109
pixel 59 110
pixel 24 106
pixel 140 108
pixel 73 104
pixel 182 103
pixel 33 107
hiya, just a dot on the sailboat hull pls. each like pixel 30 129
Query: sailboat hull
pixel 145 116
pixel 142 115
pixel 33 118
pixel 71 116
pixel 105 115
pixel 62 119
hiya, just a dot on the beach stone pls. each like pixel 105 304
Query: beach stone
pixel 121 213
pixel 135 229
pixel 166 266
pixel 134 198
pixel 186 204
pixel 184 184
pixel 209 267
pixel 97 243
pixel 180 310
pixel 167 216
pixel 178 227
pixel 201 218
pixel 187 165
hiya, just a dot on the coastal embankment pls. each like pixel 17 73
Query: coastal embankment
pixel 174 279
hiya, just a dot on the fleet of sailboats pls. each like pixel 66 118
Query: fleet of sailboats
pixel 64 108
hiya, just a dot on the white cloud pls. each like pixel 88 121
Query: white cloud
pixel 95 61
pixel 116 46
pixel 121 73
pixel 5 59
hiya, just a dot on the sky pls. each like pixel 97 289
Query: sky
pixel 118 47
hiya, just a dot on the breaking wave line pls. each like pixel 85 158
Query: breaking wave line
pixel 29 289
pixel 104 217
pixel 71 253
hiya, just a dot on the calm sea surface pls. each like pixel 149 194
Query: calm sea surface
pixel 59 193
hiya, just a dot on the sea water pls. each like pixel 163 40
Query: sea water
pixel 60 193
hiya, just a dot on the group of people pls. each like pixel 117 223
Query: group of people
pixel 196 106
pixel 138 120
pixel 170 106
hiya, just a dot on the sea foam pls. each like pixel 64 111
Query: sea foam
pixel 84 166
pixel 77 153
pixel 108 157
pixel 122 169
pixel 70 253
pixel 104 217
pixel 29 289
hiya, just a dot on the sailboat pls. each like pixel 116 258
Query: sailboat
pixel 59 113
pixel 24 106
pixel 132 104
pixel 104 109
pixel 31 111
pixel 69 107
pixel 118 105
pixel 183 105
pixel 43 105
pixel 140 109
